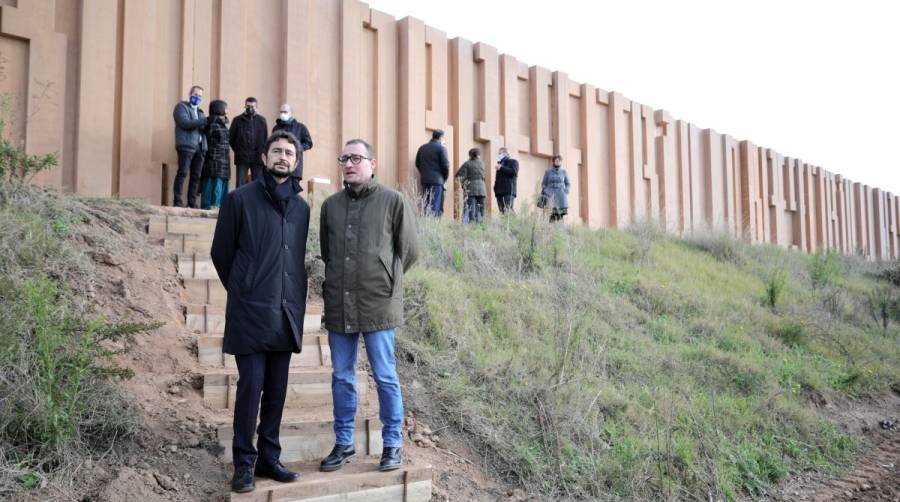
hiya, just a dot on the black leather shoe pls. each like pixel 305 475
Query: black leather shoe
pixel 242 481
pixel 390 459
pixel 340 455
pixel 277 472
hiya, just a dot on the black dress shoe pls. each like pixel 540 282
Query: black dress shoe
pixel 242 481
pixel 277 472
pixel 390 459
pixel 340 455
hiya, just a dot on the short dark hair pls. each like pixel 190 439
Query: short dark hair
pixel 556 157
pixel 369 150
pixel 217 107
pixel 282 134
pixel 251 99
pixel 195 87
pixel 474 153
pixel 437 134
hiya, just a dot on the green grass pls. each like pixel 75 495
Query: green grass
pixel 606 363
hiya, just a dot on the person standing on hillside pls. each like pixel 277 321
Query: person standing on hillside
pixel 190 145
pixel 287 122
pixel 555 187
pixel 471 175
pixel 434 169
pixel 258 249
pixel 368 240
pixel 247 136
pixel 505 180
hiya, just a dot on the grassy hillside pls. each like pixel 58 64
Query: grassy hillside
pixel 631 364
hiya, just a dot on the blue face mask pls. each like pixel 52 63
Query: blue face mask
pixel 195 100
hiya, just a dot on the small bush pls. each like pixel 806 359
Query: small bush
pixel 825 270
pixel 792 333
pixel 775 284
pixel 720 245
pixel 883 305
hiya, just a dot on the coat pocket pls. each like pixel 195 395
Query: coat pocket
pixel 388 262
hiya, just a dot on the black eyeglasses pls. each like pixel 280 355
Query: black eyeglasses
pixel 354 159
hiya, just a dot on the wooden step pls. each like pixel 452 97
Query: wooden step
pixel 180 243
pixel 311 440
pixel 315 353
pixel 196 266
pixel 210 319
pixel 205 291
pixel 161 224
pixel 206 318
pixel 305 388
pixel 360 481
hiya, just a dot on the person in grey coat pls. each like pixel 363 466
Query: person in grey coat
pixel 471 177
pixel 555 187
pixel 190 145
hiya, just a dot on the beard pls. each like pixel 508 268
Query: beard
pixel 279 170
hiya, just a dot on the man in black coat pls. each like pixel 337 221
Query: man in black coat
pixel 258 250
pixel 434 168
pixel 247 136
pixel 287 122
pixel 190 145
pixel 505 180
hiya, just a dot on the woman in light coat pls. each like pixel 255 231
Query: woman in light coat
pixel 555 189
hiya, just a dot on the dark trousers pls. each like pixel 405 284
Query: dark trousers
pixel 264 374
pixel 506 202
pixel 433 199
pixel 189 162
pixel 474 209
pixel 247 173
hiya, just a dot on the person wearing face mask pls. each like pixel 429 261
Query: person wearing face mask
pixel 287 122
pixel 247 137
pixel 259 250
pixel 217 166
pixel 190 145
pixel 434 169
pixel 507 172
pixel 555 189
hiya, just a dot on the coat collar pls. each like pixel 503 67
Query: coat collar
pixel 367 188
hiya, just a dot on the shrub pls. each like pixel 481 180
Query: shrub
pixel 824 270
pixel 775 284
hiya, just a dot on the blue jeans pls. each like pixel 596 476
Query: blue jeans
pixel 433 198
pixel 380 350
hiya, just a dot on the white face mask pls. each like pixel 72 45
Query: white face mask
pixel 284 116
pixel 501 156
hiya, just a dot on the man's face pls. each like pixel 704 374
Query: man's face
pixel 285 109
pixel 196 92
pixel 250 106
pixel 355 174
pixel 281 158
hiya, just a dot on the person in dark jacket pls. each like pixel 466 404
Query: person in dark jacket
pixel 190 145
pixel 434 169
pixel 368 240
pixel 505 180
pixel 471 175
pixel 217 166
pixel 287 122
pixel 258 250
pixel 555 187
pixel 247 137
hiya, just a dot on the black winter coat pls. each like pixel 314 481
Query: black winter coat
pixel 248 138
pixel 299 130
pixel 505 177
pixel 259 256
pixel 432 163
pixel 217 163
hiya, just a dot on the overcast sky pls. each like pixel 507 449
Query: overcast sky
pixel 815 80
